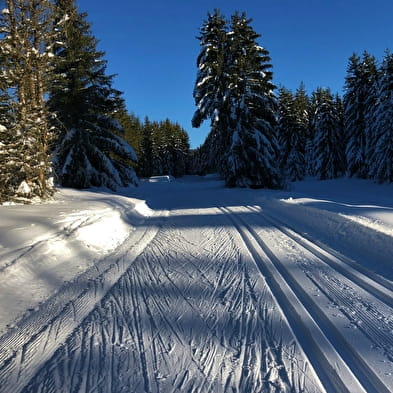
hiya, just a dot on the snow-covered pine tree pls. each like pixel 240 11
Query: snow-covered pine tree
pixel 88 152
pixel 359 82
pixel 285 123
pixel 10 144
pixel 339 107
pixel 291 137
pixel 210 91
pixel 301 107
pixel 27 36
pixel 381 162
pixel 328 153
pixel 253 157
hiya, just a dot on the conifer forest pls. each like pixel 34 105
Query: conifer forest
pixel 63 123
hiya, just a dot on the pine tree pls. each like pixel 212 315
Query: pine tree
pixel 252 160
pixel 210 91
pixel 146 162
pixel 291 137
pixel 133 129
pixel 381 163
pixel 88 153
pixel 28 33
pixel 328 159
pixel 301 107
pixel 359 81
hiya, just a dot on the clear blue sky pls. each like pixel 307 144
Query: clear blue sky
pixel 152 45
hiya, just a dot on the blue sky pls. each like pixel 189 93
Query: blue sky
pixel 152 45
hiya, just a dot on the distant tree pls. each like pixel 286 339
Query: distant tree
pixel 381 162
pixel 164 149
pixel 28 32
pixel 328 159
pixel 359 82
pixel 90 151
pixel 146 163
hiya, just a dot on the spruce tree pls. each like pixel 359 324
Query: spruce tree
pixel 252 160
pixel 88 152
pixel 210 91
pixel 291 137
pixel 381 162
pixel 358 84
pixel 28 32
pixel 147 162
pixel 328 153
pixel 301 107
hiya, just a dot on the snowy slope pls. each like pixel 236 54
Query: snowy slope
pixel 188 286
pixel 44 246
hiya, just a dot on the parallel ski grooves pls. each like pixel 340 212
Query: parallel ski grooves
pixel 376 285
pixel 307 330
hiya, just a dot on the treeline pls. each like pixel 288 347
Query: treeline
pixel 327 137
pixel 259 139
pixel 162 146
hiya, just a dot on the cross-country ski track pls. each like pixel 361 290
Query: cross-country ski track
pixel 218 291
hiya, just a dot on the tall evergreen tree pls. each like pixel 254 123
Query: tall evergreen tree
pixel 252 160
pixel 291 136
pixel 381 163
pixel 210 91
pixel 27 35
pixel 301 107
pixel 358 84
pixel 328 160
pixel 88 153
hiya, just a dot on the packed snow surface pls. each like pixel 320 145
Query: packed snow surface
pixel 44 246
pixel 183 285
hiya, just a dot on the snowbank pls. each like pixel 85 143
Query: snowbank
pixel 43 246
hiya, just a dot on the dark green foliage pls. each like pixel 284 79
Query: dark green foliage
pixel 292 136
pixel 361 74
pixel 90 151
pixel 328 142
pixel 164 149
pixel 381 130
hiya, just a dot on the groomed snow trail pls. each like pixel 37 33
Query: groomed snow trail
pixel 228 295
pixel 299 272
pixel 191 314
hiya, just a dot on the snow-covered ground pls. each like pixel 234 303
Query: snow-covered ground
pixel 42 247
pixel 186 286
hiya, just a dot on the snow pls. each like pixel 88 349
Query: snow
pixel 24 188
pixel 184 285
pixel 43 246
